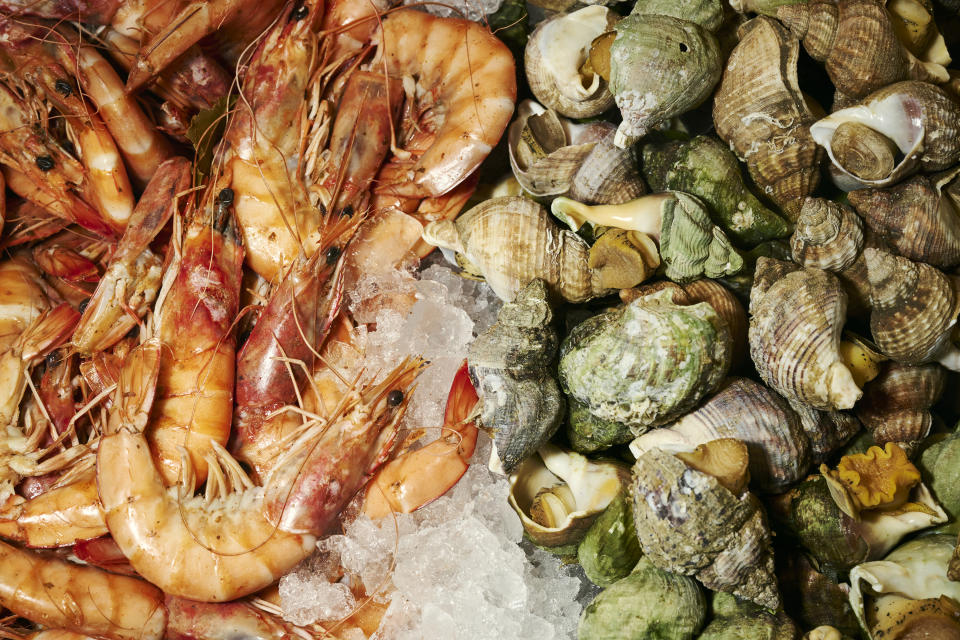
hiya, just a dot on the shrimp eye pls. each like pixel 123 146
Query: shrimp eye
pixel 395 397
pixel 63 87
pixel 44 163
pixel 300 13
pixel 332 254
pixel 225 196
pixel 52 358
pixel 347 211
pixel 83 305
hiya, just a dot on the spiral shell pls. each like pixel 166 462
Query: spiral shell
pixel 896 404
pixel 646 363
pixel 858 43
pixel 828 235
pixel 751 413
pixel 734 619
pixel 690 524
pixel 761 113
pixel 914 307
pixel 795 336
pixel 660 67
pixel 554 55
pixel 707 169
pixel 826 431
pixel 916 217
pixel 920 118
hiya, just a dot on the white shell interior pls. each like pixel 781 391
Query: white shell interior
pixel 564 46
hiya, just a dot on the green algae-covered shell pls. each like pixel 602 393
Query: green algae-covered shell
pixel 691 246
pixel 647 604
pixel 660 67
pixel 735 619
pixel 647 362
pixel 940 465
pixel 828 534
pixel 707 13
pixel 706 168
pixel 588 434
pixel 610 549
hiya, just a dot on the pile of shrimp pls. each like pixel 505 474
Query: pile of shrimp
pixel 176 431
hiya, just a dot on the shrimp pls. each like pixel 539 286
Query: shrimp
pixel 221 546
pixel 130 283
pixel 194 404
pixel 95 11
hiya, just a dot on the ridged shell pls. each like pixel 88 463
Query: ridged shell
pixel 646 363
pixel 691 246
pixel 748 411
pixel 914 307
pixel 922 119
pixel 761 113
pixel 649 601
pixel 688 523
pixel 707 13
pixel 510 365
pixel 512 240
pixel 608 174
pixel 707 169
pixel 660 67
pixel 857 42
pixel 734 619
pixel 918 218
pixel 795 336
pixel 828 235
pixel 896 404
pixel 826 431
pixel 556 50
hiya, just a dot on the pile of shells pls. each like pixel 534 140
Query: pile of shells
pixel 744 285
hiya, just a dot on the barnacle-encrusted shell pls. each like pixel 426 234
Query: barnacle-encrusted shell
pixel 511 240
pixel 610 550
pixel 735 619
pixel 761 113
pixel 795 336
pixel 587 433
pixel 688 523
pixel 554 55
pixel 660 66
pixel 838 542
pixel 649 601
pixel 915 570
pixel 914 307
pixel 751 413
pixel 922 119
pixel 707 169
pixel 587 488
pixel 510 365
pixel 858 43
pixel 828 236
pixel 646 363
pixel 918 218
pixel 896 405
pixel 550 155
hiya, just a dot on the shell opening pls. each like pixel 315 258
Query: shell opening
pixel 565 46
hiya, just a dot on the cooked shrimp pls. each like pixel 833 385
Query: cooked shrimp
pixel 130 284
pixel 221 547
pixel 62 595
pixel 95 11
pixel 194 403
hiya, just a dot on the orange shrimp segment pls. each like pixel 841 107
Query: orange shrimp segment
pixel 55 518
pixel 194 404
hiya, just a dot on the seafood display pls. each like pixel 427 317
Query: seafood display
pixel 352 320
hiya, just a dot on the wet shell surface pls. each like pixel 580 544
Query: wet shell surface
pixel 795 336
pixel 688 523
pixel 735 619
pixel 512 240
pixel 918 217
pixel 826 431
pixel 647 362
pixel 914 307
pixel 755 415
pixel 660 66
pixel 921 119
pixel 828 236
pixel 510 365
pixel 896 405
pixel 706 168
pixel 554 55
pixel 761 113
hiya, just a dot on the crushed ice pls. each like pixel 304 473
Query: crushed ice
pixel 475 10
pixel 455 568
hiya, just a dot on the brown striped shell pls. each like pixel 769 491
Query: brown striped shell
pixel 755 415
pixel 688 523
pixel 918 218
pixel 761 113
pixel 914 307
pixel 795 336
pixel 828 235
pixel 896 404
pixel 826 431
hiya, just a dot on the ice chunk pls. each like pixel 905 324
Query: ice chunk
pixel 309 593
pixel 469 9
